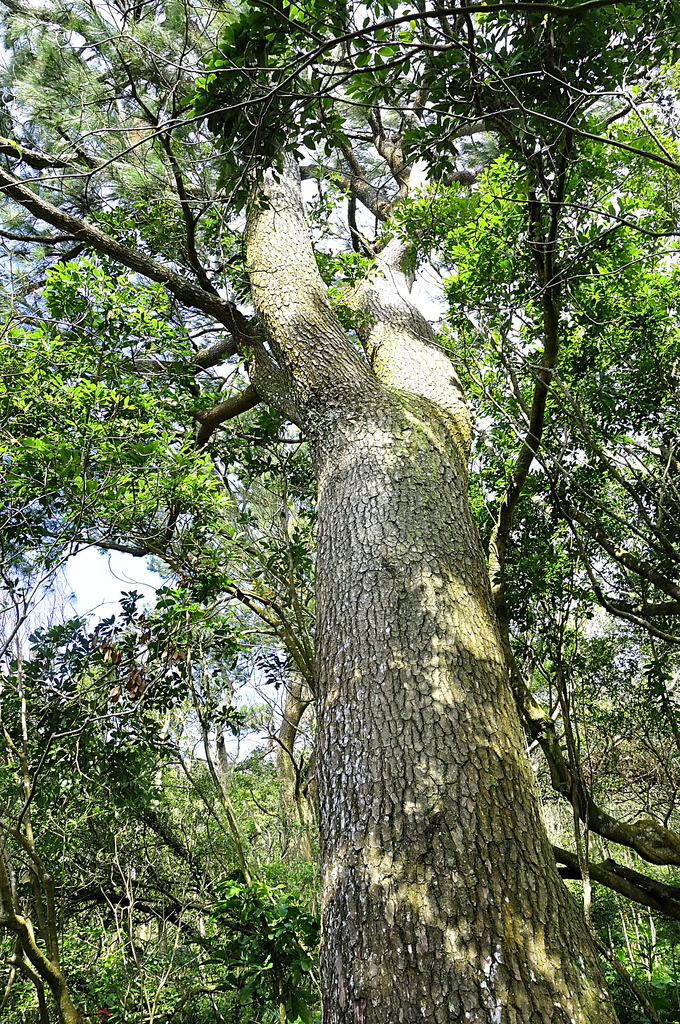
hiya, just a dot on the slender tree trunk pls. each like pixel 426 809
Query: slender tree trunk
pixel 297 812
pixel 441 898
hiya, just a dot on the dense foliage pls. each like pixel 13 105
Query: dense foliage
pixel 165 877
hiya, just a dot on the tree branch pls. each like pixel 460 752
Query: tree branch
pixel 640 566
pixel 640 889
pixel 204 359
pixel 41 239
pixel 185 291
pixel 356 185
pixel 651 841
pixel 234 406
pixel 32 157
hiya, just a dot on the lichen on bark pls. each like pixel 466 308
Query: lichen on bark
pixel 441 898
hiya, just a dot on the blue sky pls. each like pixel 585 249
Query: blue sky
pixel 97 580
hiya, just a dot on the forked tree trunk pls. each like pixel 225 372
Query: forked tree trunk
pixel 441 898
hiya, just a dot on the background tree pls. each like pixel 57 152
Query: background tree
pixel 136 875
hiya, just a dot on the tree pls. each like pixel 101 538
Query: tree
pixel 133 874
pixel 442 899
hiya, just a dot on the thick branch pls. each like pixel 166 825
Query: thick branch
pixel 401 344
pixel 289 295
pixel 13 236
pixel 650 840
pixel 32 157
pixel 213 354
pixel 389 146
pixel 47 971
pixel 646 891
pixel 187 292
pixel 360 187
pixel 203 360
pixel 234 406
pixel 647 610
pixel 368 195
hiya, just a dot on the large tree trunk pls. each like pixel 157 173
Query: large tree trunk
pixel 441 897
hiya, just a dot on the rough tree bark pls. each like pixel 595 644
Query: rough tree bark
pixel 442 901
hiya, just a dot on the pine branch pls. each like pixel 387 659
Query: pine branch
pixel 185 291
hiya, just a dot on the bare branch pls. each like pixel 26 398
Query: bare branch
pixel 234 406
pixel 32 157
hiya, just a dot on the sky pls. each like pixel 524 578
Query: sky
pixel 94 582
pixel 97 580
